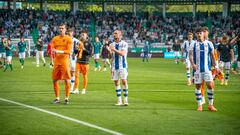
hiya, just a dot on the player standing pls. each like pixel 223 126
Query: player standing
pixel 176 48
pixel 237 41
pixel 96 50
pixel 2 53
pixel 84 51
pixel 51 54
pixel 9 47
pixel 201 54
pixel 40 52
pixel 73 58
pixel 119 50
pixel 146 50
pixel 185 55
pixel 21 47
pixel 226 57
pixel 105 54
pixel 62 47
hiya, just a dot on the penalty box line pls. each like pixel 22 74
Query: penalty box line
pixel 63 117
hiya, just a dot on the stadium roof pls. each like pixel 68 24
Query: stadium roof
pixel 126 2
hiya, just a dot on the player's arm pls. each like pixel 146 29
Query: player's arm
pixel 119 52
pixel 234 40
pixel 213 60
pixel 194 66
pixel 90 49
pixel 232 54
pixel 101 47
pixel 68 49
pixel 182 50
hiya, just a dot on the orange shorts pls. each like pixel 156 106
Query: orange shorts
pixel 61 72
pixel 82 68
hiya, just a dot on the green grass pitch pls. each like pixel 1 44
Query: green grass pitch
pixel 159 103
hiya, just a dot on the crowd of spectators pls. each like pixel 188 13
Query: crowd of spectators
pixel 135 28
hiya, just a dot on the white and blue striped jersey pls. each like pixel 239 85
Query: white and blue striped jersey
pixel 202 55
pixel 75 43
pixel 120 62
pixel 186 46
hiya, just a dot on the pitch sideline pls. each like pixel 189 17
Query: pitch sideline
pixel 63 117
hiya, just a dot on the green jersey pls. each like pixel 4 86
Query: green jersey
pixel 2 47
pixel 97 47
pixel 22 47
pixel 9 50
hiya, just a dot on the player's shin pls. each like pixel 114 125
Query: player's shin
pixel 118 93
pixel 125 92
pixel 72 82
pixel 10 65
pixel 227 72
pixel 210 96
pixel 85 80
pixel 56 89
pixel 6 67
pixel 198 97
pixel 67 89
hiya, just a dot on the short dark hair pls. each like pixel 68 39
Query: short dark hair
pixel 70 30
pixel 205 28
pixel 84 31
pixel 190 33
pixel 199 30
pixel 63 24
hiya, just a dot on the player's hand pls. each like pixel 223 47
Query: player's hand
pixel 194 66
pixel 111 47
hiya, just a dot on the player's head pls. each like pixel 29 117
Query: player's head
pixel 97 39
pixel 106 39
pixel 40 38
pixel 206 32
pixel 83 36
pixel 224 39
pixel 117 35
pixel 190 36
pixel 62 29
pixel 21 39
pixel 9 41
pixel 70 32
pixel 200 34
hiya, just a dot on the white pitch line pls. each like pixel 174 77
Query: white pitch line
pixel 64 117
pixel 181 90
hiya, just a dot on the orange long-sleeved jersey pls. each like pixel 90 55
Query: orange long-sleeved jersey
pixel 62 43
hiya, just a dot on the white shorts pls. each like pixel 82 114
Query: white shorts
pixel 2 55
pixel 21 55
pixel 199 77
pixel 120 74
pixel 40 54
pixel 9 58
pixel 187 63
pixel 96 56
pixel 238 64
pixel 176 53
pixel 73 65
pixel 226 65
pixel 105 60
